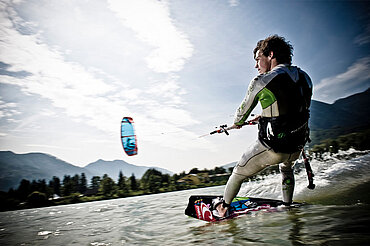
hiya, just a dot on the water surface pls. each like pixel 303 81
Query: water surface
pixel 337 214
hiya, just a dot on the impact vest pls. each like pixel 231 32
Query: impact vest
pixel 285 96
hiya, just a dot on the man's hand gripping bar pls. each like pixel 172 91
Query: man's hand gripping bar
pixel 225 129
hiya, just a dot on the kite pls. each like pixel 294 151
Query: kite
pixel 128 136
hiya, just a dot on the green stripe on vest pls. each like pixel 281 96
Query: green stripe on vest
pixel 266 97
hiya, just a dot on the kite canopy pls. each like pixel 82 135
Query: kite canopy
pixel 128 136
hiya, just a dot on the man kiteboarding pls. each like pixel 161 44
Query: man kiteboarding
pixel 284 92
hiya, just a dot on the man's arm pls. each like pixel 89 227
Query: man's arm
pixel 248 104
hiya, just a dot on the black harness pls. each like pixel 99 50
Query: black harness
pixel 284 135
pixel 288 133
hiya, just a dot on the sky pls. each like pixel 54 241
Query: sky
pixel 71 70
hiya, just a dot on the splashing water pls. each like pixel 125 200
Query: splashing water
pixel 338 181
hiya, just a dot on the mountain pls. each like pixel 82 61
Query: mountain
pixel 357 105
pixel 35 166
pixel 32 166
pixel 112 168
pixel 229 165
pixel 344 116
pixel 346 112
pixel 327 116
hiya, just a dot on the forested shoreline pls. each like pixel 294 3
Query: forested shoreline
pixel 76 189
pixel 356 140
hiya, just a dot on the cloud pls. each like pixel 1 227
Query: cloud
pixel 91 96
pixel 151 21
pixel 8 110
pixel 234 3
pixel 363 38
pixel 356 76
pixel 49 146
pixel 169 90
pixel 67 85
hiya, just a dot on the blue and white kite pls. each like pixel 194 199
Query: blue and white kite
pixel 128 136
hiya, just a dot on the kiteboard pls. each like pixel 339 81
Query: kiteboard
pixel 202 207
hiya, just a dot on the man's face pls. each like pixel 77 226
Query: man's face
pixel 263 63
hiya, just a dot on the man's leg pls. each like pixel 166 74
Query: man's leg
pixel 233 186
pixel 288 182
pixel 254 160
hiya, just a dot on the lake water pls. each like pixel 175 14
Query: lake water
pixel 338 214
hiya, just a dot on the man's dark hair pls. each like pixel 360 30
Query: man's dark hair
pixel 258 46
pixel 283 50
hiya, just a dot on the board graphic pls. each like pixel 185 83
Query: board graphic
pixel 201 207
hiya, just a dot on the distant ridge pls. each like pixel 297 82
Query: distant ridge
pixel 356 104
pixel 229 165
pixel 34 166
pixel 112 168
pixel 345 115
